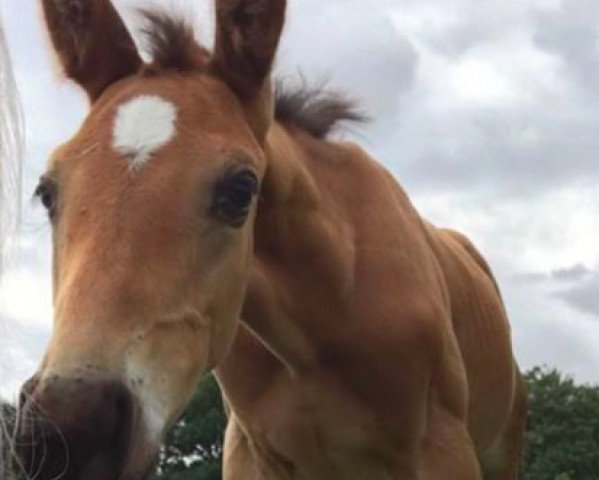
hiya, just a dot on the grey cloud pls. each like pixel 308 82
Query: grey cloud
pixel 477 23
pixel 504 150
pixel 530 277
pixel 584 296
pixel 571 274
pixel 571 33
pixel 547 332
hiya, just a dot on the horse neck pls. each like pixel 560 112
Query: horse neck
pixel 303 251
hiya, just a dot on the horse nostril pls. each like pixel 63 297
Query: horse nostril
pixel 115 414
pixel 72 429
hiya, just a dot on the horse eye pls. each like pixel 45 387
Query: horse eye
pixel 46 192
pixel 234 195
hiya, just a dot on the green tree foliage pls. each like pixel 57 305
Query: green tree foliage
pixel 194 446
pixel 563 428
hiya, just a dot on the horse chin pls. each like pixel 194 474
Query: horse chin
pixel 140 469
pixel 141 461
pixel 145 474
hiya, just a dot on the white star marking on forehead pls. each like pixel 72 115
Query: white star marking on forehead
pixel 142 126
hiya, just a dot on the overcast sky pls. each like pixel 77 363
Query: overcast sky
pixel 487 112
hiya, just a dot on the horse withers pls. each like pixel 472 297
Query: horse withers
pixel 200 223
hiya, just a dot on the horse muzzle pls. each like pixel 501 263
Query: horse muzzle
pixel 75 428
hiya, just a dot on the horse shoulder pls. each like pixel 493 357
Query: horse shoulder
pixel 482 329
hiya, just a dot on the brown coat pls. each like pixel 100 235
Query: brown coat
pixel 374 345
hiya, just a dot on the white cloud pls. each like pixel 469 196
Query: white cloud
pixel 25 296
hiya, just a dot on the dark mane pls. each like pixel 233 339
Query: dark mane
pixel 314 109
pixel 170 42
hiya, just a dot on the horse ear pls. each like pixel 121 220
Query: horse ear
pixel 92 42
pixel 247 37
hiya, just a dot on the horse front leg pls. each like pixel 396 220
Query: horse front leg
pixel 239 463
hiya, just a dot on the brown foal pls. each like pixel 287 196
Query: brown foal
pixel 195 230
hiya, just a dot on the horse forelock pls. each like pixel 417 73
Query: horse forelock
pixel 170 42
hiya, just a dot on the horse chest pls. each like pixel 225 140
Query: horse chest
pixel 312 429
pixel 359 412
